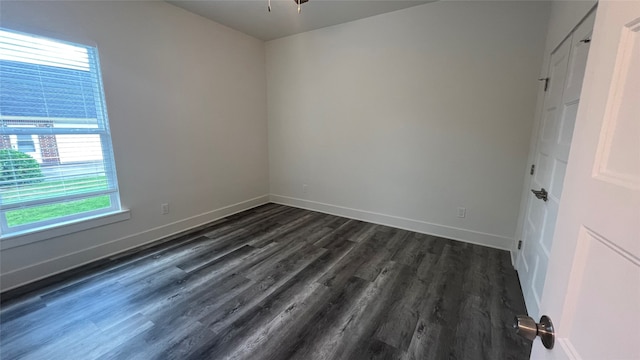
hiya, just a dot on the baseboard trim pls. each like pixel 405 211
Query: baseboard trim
pixel 469 236
pixel 36 272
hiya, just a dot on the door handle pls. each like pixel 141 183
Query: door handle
pixel 541 194
pixel 527 328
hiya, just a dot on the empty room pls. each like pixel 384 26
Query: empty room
pixel 319 179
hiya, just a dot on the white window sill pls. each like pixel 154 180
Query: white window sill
pixel 69 227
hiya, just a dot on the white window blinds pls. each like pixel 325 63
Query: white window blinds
pixel 56 159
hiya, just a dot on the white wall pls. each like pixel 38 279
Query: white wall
pixel 563 18
pixel 403 117
pixel 187 105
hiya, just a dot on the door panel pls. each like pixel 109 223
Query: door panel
pixel 552 152
pixel 599 288
pixel 592 291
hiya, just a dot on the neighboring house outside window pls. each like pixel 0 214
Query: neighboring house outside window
pixel 56 158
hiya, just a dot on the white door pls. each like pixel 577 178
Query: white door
pixel 592 288
pixel 566 72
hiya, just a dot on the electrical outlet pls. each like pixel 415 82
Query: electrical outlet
pixel 305 188
pixel 462 212
pixel 164 209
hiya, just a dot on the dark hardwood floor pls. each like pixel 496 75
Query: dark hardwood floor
pixel 277 282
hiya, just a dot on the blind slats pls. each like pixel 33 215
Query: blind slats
pixel 27 49
pixel 7 207
pixel 12 130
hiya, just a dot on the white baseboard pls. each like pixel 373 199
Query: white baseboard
pixel 473 237
pixel 35 272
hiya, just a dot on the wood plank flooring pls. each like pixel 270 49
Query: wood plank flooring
pixel 277 282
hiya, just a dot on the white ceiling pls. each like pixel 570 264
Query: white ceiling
pixel 251 16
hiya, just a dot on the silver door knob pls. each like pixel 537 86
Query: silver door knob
pixel 527 328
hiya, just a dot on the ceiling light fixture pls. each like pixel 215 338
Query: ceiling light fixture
pixel 299 2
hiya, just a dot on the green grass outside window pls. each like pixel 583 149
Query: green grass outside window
pixel 55 188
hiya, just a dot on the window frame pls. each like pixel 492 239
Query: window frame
pixel 68 223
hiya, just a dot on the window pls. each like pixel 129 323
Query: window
pixel 56 158
pixel 25 143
